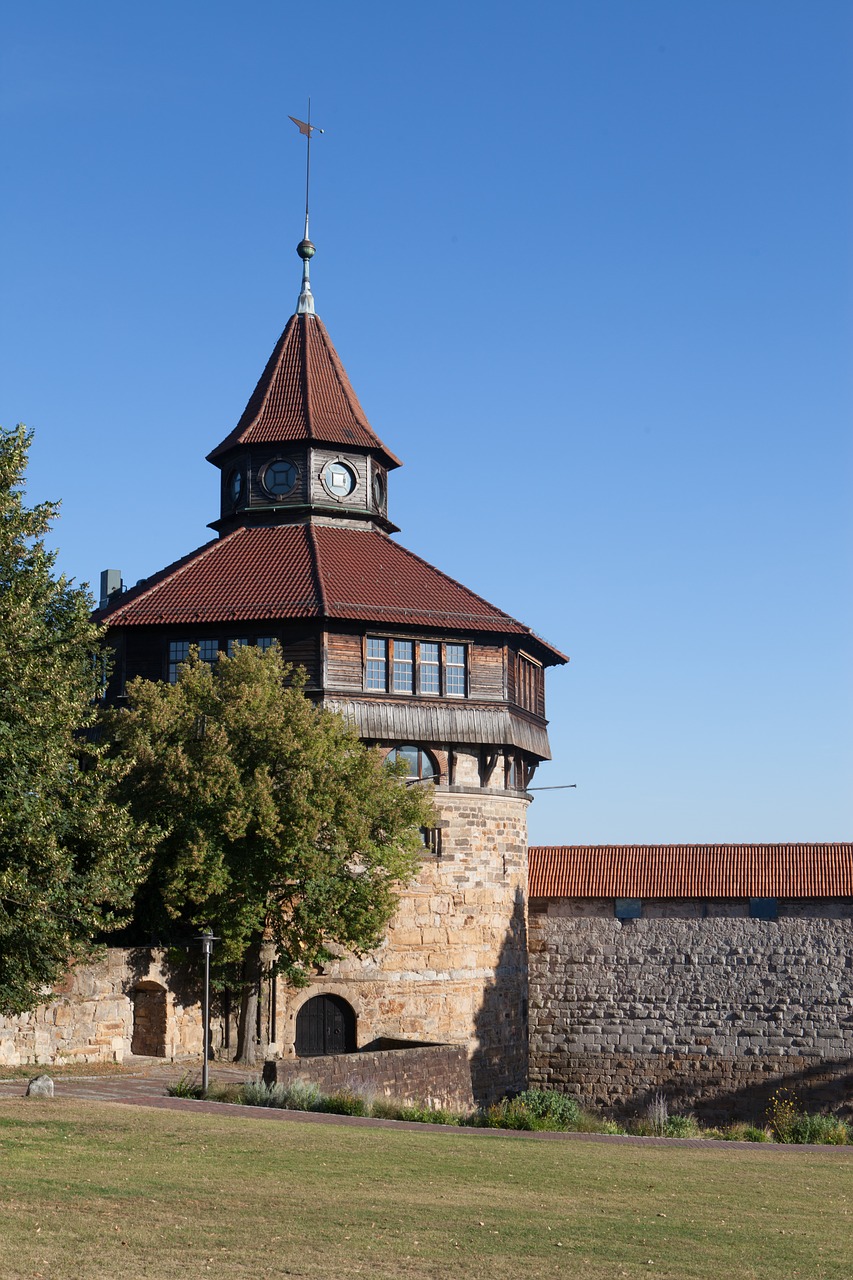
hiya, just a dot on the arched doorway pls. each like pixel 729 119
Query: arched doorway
pixel 149 1020
pixel 325 1024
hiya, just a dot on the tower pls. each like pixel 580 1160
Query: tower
pixel 427 670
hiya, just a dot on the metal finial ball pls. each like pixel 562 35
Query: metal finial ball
pixel 305 249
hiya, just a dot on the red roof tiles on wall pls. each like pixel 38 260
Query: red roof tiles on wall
pixel 304 394
pixel 304 571
pixel 692 871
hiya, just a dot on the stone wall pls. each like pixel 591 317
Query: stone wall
pixel 716 1010
pixel 90 1018
pixel 453 968
pixel 432 1075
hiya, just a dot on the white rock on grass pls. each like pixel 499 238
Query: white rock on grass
pixel 40 1087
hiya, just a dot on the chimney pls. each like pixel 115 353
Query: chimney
pixel 110 584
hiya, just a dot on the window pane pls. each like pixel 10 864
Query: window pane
pixel 377 657
pixel 265 642
pixel 409 754
pixel 403 666
pixel 454 670
pixel 178 653
pixel 208 650
pixel 235 644
pixel 429 668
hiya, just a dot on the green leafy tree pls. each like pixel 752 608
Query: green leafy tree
pixel 278 827
pixel 70 857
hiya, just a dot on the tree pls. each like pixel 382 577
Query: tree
pixel 70 856
pixel 277 826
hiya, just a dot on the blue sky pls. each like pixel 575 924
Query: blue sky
pixel 589 268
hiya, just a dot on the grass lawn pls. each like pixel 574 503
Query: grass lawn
pixel 90 1191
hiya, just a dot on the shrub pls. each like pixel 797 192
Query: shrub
pixel 509 1113
pixel 256 1093
pixel 187 1087
pixel 782 1110
pixel 818 1128
pixel 429 1115
pixel 553 1110
pixel 752 1133
pixel 344 1103
pixel 611 1127
pixel 299 1096
pixel 657 1114
pixel 682 1127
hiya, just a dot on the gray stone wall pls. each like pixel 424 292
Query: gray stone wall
pixel 431 1075
pixel 716 1010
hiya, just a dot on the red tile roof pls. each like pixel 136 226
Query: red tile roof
pixel 311 571
pixel 692 871
pixel 304 394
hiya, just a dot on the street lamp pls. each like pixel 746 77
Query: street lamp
pixel 207 940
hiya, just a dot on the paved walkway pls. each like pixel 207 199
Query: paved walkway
pixel 143 1083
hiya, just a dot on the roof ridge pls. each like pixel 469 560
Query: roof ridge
pixel 347 389
pixel 316 569
pixel 493 608
pixel 306 375
pixel 176 568
pixel 724 844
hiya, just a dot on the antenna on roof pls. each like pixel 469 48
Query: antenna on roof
pixel 305 249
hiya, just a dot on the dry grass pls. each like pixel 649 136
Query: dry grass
pixel 96 1191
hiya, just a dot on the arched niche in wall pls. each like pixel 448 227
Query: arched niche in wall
pixel 325 1024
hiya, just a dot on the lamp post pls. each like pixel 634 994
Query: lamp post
pixel 207 940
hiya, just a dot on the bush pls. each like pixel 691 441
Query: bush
pixel 818 1128
pixel 255 1093
pixel 509 1113
pixel 289 1097
pixel 657 1114
pixel 782 1110
pixel 682 1127
pixel 344 1103
pixel 429 1115
pixel 752 1133
pixel 187 1087
pixel 552 1109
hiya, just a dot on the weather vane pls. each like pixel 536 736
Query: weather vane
pixel 305 248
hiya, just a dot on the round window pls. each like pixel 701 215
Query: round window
pixel 279 477
pixel 339 479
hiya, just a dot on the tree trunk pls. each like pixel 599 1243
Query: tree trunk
pixel 247 1038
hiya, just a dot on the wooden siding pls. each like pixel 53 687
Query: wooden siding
pixel 256 461
pixel 302 648
pixel 344 662
pixel 442 722
pixel 486 672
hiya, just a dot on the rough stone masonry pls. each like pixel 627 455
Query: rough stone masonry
pixel 714 1010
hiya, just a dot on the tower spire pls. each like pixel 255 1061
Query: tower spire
pixel 305 249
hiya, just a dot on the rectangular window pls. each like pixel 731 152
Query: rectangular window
pixel 265 642
pixel 178 652
pixel 208 651
pixel 763 909
pixel 415 666
pixel 377 664
pixel 629 908
pixel 431 837
pixel 430 668
pixel 235 644
pixel 454 670
pixel 404 666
